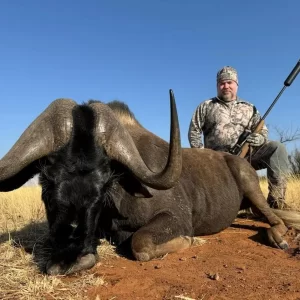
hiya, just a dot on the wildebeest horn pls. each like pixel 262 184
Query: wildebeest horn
pixel 52 129
pixel 120 146
pixel 47 133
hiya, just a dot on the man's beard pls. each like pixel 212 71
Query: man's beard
pixel 226 97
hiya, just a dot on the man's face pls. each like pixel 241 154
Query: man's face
pixel 227 90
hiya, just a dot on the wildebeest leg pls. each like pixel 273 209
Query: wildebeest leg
pixel 163 234
pixel 278 228
pixel 249 186
pixel 253 193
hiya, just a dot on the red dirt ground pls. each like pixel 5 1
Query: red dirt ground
pixel 234 264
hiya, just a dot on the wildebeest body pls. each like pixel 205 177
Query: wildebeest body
pixel 199 207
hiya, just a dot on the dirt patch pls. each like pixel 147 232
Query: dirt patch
pixel 234 264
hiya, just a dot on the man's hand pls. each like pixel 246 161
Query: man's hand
pixel 255 139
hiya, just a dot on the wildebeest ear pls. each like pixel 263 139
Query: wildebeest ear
pixel 129 182
pixel 134 187
pixel 140 191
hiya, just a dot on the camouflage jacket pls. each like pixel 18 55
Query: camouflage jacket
pixel 221 123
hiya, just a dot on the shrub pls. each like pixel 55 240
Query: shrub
pixel 294 159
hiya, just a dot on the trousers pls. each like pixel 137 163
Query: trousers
pixel 273 156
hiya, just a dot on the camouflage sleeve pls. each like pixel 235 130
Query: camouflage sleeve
pixel 195 129
pixel 255 120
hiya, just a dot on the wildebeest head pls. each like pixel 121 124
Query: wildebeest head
pixel 52 130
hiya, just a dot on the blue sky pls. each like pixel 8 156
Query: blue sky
pixel 136 51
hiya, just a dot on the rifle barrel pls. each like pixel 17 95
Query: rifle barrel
pixel 273 103
pixel 293 74
pixel 289 80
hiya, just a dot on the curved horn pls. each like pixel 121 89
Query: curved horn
pixel 47 133
pixel 120 146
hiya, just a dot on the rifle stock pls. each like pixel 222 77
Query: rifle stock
pixel 246 146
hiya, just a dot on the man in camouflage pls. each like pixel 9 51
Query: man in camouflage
pixel 222 119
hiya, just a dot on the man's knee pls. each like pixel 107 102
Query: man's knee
pixel 279 148
pixel 279 160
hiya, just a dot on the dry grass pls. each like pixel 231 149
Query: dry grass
pixel 23 229
pixel 293 192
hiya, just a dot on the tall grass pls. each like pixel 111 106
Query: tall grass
pixel 23 227
pixel 292 194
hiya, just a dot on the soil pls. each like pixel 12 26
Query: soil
pixel 234 264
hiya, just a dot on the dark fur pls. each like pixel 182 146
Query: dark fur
pixel 74 190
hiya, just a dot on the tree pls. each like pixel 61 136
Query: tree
pixel 294 159
pixel 286 136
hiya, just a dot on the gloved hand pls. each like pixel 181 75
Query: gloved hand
pixel 255 139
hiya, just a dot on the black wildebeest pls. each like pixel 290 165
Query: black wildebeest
pixel 101 170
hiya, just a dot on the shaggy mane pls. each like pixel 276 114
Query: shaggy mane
pixel 121 111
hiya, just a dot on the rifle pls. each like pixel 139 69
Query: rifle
pixel 241 147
